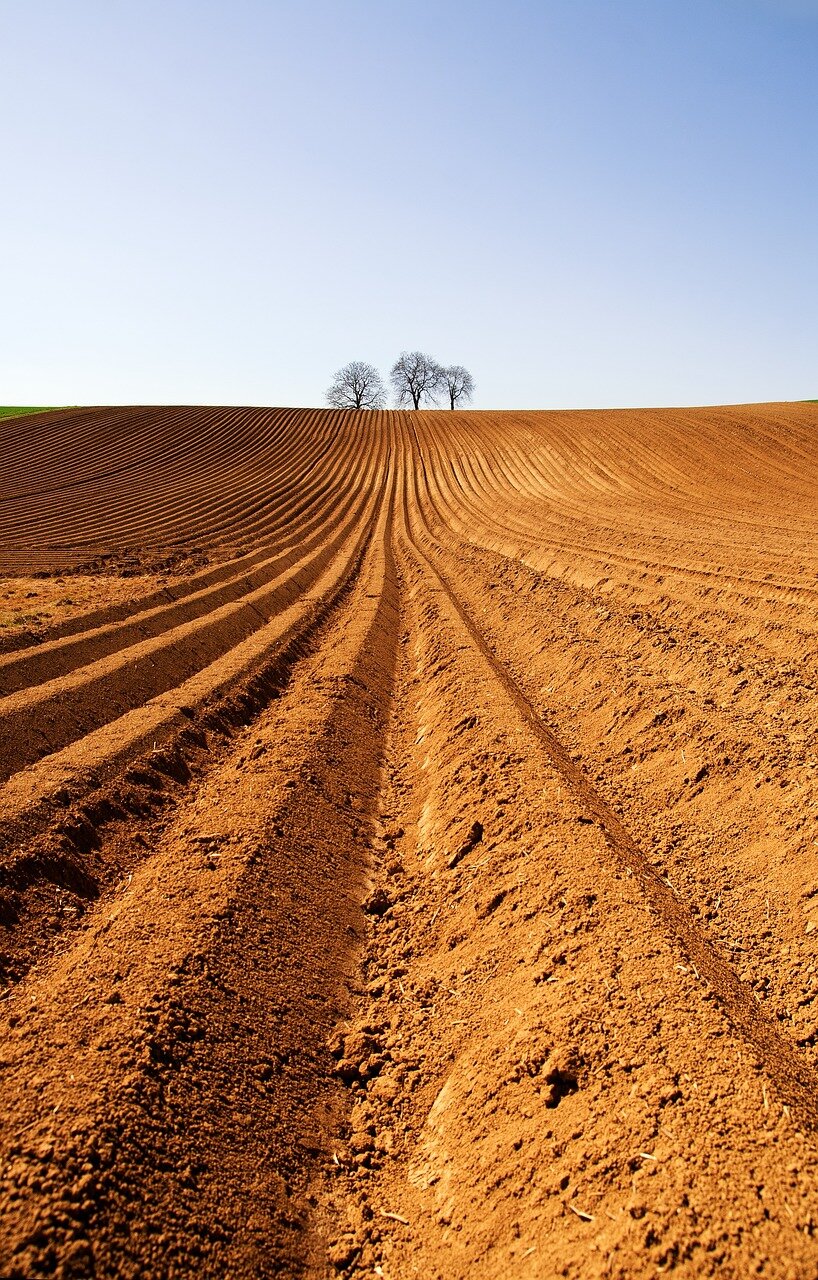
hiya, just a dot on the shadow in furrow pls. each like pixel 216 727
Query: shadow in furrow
pixel 86 845
pixel 232 1115
pixel 797 1083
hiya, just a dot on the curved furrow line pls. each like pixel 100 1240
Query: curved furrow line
pixel 50 660
pixel 583 511
pixel 137 504
pixel 234 504
pixel 90 435
pixel 306 518
pixel 158 434
pixel 616 484
pixel 204 516
pixel 100 750
pixel 796 1081
pixel 164 435
pixel 26 800
pixel 51 715
pixel 521 528
pixel 468 514
pixel 605 554
pixel 766 619
pixel 331 722
pixel 513 461
pixel 187 518
pixel 158 481
pixel 630 459
pixel 267 514
pixel 556 739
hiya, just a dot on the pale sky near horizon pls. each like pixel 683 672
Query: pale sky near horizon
pixel 587 202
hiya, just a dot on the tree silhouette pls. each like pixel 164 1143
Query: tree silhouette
pixel 357 386
pixel 458 384
pixel 415 376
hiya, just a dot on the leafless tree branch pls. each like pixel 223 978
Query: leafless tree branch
pixel 458 384
pixel 415 377
pixel 357 386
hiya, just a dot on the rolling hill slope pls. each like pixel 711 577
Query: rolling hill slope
pixel 423 883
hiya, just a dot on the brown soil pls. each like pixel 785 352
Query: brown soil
pixel 30 607
pixel 410 869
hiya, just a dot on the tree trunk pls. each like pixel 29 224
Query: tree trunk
pixel 416 400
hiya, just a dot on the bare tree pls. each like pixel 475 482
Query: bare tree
pixel 415 376
pixel 458 384
pixel 357 386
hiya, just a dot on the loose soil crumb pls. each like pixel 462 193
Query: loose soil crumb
pixel 30 606
pixel 407 844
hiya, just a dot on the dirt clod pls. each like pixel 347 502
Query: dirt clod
pixel 406 858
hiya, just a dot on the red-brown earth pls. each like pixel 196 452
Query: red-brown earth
pixel 409 843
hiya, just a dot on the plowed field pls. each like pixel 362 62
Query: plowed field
pixel 409 843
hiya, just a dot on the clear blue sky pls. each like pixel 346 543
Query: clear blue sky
pixel 587 202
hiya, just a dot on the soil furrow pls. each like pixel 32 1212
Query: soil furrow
pixel 518 999
pixel 59 657
pixel 49 716
pixel 162 506
pixel 419 881
pixel 181 1105
pixel 31 798
pixel 795 1080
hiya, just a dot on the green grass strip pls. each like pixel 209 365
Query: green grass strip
pixel 16 410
